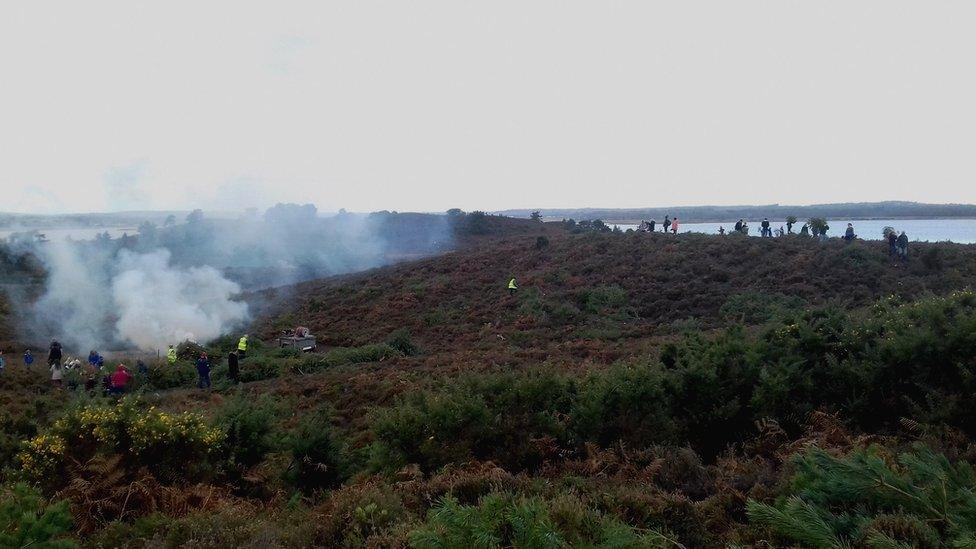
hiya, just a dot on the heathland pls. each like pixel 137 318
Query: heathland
pixel 637 389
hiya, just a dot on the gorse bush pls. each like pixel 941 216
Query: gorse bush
pixel 171 446
pixel 27 520
pixel 871 498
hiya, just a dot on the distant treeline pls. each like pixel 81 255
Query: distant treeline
pixel 861 210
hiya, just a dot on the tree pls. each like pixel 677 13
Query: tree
pixel 790 221
pixel 170 221
pixel 818 226
pixel 195 217
pixel 536 216
pixel 455 212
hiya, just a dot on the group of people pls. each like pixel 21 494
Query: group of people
pixel 897 245
pixel 204 367
pixel 118 381
pixel 669 225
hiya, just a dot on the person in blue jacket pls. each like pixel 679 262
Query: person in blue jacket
pixel 28 358
pixel 203 370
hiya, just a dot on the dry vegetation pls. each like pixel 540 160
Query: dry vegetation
pixel 639 390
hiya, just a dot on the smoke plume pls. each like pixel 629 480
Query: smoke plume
pixel 158 304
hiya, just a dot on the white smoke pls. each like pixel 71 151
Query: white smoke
pixel 157 304
pixel 96 301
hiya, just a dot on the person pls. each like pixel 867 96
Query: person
pixel 93 358
pixel 512 286
pixel 903 246
pixel 849 233
pixel 233 367
pixel 892 243
pixel 674 226
pixel 141 367
pixel 242 347
pixel 203 370
pixel 56 373
pixel 667 223
pixel 780 232
pixel 28 358
pixel 721 230
pixel 171 355
pixel 120 380
pixel 738 226
pixel 3 362
pixel 766 231
pixel 651 225
pixel 805 230
pixel 54 354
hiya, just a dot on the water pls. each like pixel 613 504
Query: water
pixel 962 231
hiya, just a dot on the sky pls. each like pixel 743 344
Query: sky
pixel 425 106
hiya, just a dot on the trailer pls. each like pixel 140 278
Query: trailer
pixel 299 338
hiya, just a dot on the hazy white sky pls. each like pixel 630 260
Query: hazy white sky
pixel 483 105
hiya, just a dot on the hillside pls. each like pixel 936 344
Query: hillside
pixel 637 391
pixel 598 296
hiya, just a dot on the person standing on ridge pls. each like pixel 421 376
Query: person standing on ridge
pixel 892 243
pixel 766 231
pixel 203 370
pixel 171 355
pixel 666 224
pixel 903 246
pixel 512 286
pixel 674 226
pixel 54 354
pixel 651 225
pixel 242 347
pixel 738 226
pixel 233 367
pixel 56 373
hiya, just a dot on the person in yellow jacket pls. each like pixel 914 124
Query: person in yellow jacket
pixel 242 347
pixel 171 355
pixel 512 286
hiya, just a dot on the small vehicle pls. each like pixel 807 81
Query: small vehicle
pixel 299 338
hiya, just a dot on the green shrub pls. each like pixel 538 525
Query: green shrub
pixel 162 377
pixel 317 456
pixel 257 368
pixel 27 520
pixel 760 307
pixel 247 430
pixel 604 299
pixel 506 520
pixel 358 355
pixel 400 341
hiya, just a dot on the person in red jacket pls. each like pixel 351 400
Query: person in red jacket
pixel 674 226
pixel 120 379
